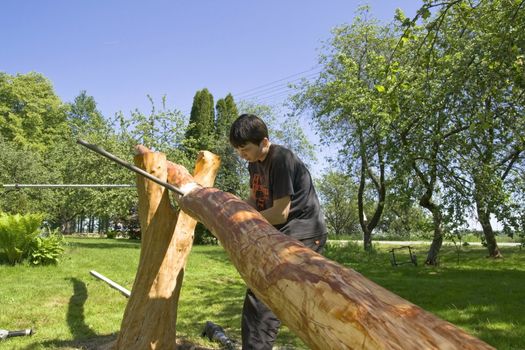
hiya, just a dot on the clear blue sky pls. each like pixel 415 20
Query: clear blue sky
pixel 120 51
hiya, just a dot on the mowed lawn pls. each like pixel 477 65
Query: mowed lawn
pixel 70 309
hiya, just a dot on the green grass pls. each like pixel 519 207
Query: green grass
pixel 70 309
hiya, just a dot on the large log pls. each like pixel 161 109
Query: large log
pixel 150 317
pixel 327 305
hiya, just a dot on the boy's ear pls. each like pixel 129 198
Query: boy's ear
pixel 265 142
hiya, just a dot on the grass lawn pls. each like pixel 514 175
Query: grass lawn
pixel 70 309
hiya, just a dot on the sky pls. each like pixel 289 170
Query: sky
pixel 121 51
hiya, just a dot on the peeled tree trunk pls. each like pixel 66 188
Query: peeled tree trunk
pixel 327 305
pixel 167 235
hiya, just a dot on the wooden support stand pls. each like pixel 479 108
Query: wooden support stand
pixel 151 314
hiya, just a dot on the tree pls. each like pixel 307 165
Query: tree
pixel 200 132
pixel 338 194
pixel 31 114
pixel 492 99
pixel 18 166
pixel 162 130
pixel 405 220
pixel 230 174
pixel 468 54
pixel 83 115
pixel 32 123
pixel 348 111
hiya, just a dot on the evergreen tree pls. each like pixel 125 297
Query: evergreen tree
pixel 231 173
pixel 200 132
pixel 226 114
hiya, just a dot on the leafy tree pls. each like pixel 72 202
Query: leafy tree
pixel 84 117
pixel 33 122
pixel 338 194
pixel 467 55
pixel 405 221
pixel 347 108
pixel 491 99
pixel 161 130
pixel 31 114
pixel 21 166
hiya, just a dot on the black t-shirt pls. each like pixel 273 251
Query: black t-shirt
pixel 282 174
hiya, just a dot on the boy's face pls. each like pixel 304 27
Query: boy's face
pixel 252 152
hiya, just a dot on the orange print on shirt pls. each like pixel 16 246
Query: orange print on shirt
pixel 260 192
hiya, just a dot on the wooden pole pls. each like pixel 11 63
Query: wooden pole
pixel 327 305
pixel 151 313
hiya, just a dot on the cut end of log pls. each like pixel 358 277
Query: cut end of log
pixel 187 188
pixel 141 149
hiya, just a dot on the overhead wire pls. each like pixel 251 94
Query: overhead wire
pixel 278 88
pixel 275 93
pixel 276 81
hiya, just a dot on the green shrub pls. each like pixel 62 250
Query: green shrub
pixel 17 232
pixel 111 234
pixel 47 250
pixel 203 236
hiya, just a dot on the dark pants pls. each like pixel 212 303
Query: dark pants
pixel 259 324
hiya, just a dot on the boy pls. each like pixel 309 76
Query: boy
pixel 281 189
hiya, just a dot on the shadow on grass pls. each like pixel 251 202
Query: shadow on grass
pixel 75 313
pixel 83 336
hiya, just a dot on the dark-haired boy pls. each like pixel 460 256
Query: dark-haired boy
pixel 281 189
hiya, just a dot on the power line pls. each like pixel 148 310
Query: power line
pixel 276 88
pixel 276 81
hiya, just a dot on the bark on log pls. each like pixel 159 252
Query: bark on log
pixel 327 305
pixel 151 313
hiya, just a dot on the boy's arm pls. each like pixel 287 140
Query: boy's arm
pixel 278 213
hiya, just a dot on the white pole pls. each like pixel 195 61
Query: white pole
pixel 115 285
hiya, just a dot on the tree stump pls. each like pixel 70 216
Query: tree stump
pixel 327 305
pixel 167 235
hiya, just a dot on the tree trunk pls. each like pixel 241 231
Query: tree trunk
pixel 484 220
pixel 437 240
pixel 150 318
pixel 437 219
pixel 380 187
pixel 327 305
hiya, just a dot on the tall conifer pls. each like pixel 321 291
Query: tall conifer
pixel 231 174
pixel 200 132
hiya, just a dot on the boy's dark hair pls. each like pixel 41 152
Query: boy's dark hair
pixel 247 128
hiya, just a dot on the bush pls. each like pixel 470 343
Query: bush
pixel 47 250
pixel 203 236
pixel 17 232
